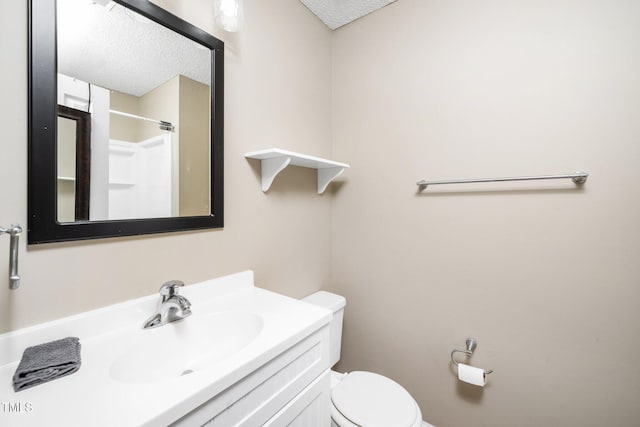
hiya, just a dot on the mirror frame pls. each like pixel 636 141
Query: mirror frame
pixel 43 226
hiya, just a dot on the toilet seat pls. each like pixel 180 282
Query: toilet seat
pixel 372 400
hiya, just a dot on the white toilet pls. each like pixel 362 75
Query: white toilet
pixel 363 398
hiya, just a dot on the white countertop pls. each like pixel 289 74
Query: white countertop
pixel 91 397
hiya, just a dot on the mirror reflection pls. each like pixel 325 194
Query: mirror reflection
pixel 145 92
pixel 73 163
pixel 66 169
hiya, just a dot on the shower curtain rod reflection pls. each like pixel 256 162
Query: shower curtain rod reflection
pixel 162 124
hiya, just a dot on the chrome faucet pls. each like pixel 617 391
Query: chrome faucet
pixel 172 306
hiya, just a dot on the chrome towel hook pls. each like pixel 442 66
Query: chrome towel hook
pixel 471 347
pixel 14 231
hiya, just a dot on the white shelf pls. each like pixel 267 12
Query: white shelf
pixel 274 160
pixel 66 178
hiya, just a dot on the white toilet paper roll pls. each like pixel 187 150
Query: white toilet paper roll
pixel 471 375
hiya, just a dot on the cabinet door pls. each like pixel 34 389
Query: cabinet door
pixel 310 408
pixel 255 399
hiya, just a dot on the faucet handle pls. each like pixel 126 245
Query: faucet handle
pixel 170 288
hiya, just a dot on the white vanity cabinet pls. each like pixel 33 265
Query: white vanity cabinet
pixel 292 389
pixel 245 357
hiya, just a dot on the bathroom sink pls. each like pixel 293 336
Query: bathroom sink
pixel 213 358
pixel 181 348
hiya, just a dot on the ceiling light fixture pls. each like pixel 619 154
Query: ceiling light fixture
pixel 229 14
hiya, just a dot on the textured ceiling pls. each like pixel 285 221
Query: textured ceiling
pixel 117 49
pixel 336 13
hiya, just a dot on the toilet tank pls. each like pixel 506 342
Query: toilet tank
pixel 336 304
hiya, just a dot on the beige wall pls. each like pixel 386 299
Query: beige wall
pixel 160 103
pixel 280 61
pixel 544 275
pixel 120 127
pixel 194 150
pixel 66 158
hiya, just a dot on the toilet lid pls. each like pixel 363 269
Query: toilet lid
pixel 371 400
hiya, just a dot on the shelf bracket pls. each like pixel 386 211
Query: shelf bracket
pixel 326 175
pixel 271 168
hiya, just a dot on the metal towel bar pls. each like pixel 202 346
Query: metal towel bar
pixel 14 231
pixel 577 178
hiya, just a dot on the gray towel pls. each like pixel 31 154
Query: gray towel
pixel 46 362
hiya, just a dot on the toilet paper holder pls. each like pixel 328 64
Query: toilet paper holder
pixel 471 347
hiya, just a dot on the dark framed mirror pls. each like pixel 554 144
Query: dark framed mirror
pixel 125 121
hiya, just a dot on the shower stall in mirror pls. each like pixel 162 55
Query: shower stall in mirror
pixel 149 116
